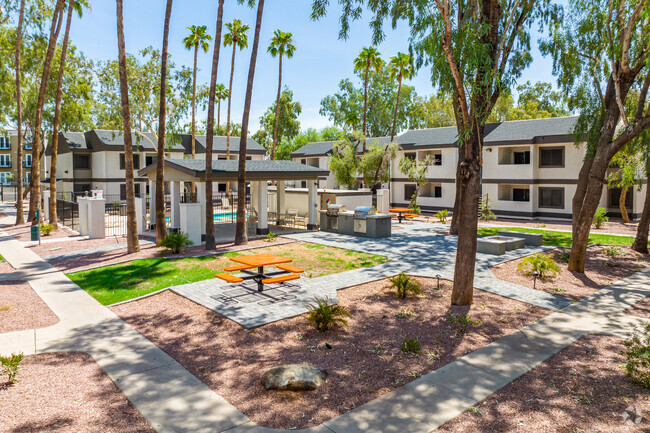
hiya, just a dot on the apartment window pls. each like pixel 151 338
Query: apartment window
pixel 136 162
pixel 28 160
pixel 437 191
pixel 410 155
pixel 28 145
pixel 136 188
pixel 5 161
pixel 551 198
pixel 551 157
pixel 409 191
pixel 81 162
pixel 28 177
pixel 81 188
pixel 303 161
pixel 520 194
pixel 437 159
pixel 221 187
pixel 150 159
pixel 3 177
pixel 522 157
pixel 615 197
pixel 5 143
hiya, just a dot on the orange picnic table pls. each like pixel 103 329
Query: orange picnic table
pixel 400 212
pixel 259 261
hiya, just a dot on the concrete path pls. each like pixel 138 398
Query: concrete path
pixel 173 400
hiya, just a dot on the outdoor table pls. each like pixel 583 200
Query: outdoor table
pixel 400 212
pixel 259 261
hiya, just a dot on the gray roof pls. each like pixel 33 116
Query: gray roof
pixel 323 148
pixel 255 169
pixel 219 145
pixel 100 139
pixel 74 140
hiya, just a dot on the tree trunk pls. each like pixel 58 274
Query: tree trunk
pixel 621 205
pixel 210 243
pixel 196 54
pixel 57 119
pixel 232 73
pixel 641 241
pixel 453 227
pixel 133 245
pixel 399 91
pixel 20 217
pixel 277 111
pixel 219 114
pixel 365 106
pixel 35 195
pixel 161 223
pixel 240 234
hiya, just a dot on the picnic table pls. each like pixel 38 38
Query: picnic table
pixel 286 272
pixel 402 212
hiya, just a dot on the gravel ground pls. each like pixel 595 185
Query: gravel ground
pixel 364 363
pixel 21 308
pixel 53 248
pixel 23 233
pixel 580 389
pixel 66 393
pixel 614 227
pixel 574 285
pixel 5 267
pixel 146 252
pixel 641 309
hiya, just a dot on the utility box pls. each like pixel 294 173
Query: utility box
pixel 36 233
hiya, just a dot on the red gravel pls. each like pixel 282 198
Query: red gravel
pixel 23 233
pixel 66 246
pixel 66 393
pixel 615 227
pixel 5 267
pixel 580 389
pixel 575 285
pixel 365 362
pixel 641 309
pixel 21 308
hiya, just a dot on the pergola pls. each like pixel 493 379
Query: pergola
pixel 258 173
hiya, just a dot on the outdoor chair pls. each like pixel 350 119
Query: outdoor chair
pixel 291 217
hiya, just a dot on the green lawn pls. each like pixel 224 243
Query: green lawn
pixel 2 259
pixel 111 284
pixel 561 239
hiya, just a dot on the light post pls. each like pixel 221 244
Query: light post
pixel 438 278
pixel 535 275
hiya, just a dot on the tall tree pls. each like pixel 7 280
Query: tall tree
pixel 369 58
pixel 285 126
pixel 640 243
pixel 210 242
pixel 221 93
pixel 415 171
pixel 281 45
pixel 132 242
pixel 400 67
pixel 20 217
pixel 240 234
pixel 628 172
pixel 198 37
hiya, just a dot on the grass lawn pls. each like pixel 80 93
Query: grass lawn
pixel 2 259
pixel 560 239
pixel 111 284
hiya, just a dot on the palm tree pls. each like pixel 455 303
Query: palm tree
pixel 161 223
pixel 72 6
pixel 198 37
pixel 20 217
pixel 221 93
pixel 281 44
pixel 35 196
pixel 369 58
pixel 400 66
pixel 132 243
pixel 240 233
pixel 210 243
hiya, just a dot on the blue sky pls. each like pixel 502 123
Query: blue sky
pixel 320 62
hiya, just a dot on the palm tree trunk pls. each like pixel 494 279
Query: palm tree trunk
pixel 161 224
pixel 210 243
pixel 35 195
pixel 621 205
pixel 196 54
pixel 399 91
pixel 57 118
pixel 277 111
pixel 240 234
pixel 219 114
pixel 20 217
pixel 232 73
pixel 365 106
pixel 133 245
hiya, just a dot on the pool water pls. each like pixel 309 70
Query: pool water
pixel 222 217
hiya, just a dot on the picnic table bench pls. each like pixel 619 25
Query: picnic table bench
pixel 286 272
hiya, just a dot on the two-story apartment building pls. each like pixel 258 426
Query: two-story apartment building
pixel 9 158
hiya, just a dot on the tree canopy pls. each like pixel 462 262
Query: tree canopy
pixel 288 124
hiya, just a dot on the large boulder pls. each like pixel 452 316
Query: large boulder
pixel 294 377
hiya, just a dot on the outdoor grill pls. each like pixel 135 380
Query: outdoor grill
pixel 361 214
pixel 332 216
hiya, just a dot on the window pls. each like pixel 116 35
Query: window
pixel 520 194
pixel 81 162
pixel 615 196
pixel 28 177
pixel 81 188
pixel 410 155
pixel 221 187
pixel 136 162
pixel 249 158
pixel 437 191
pixel 409 191
pixel 437 159
pixel 551 157
pixel 303 161
pixel 5 161
pixel 28 145
pixel 522 157
pixel 5 143
pixel 551 198
pixel 28 160
pixel 136 188
pixel 3 177
pixel 150 159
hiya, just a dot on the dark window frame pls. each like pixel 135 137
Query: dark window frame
pixel 526 157
pixel 525 199
pixel 437 191
pixel 136 161
pixel 76 158
pixel 539 200
pixel 406 187
pixel 437 159
pixel 562 148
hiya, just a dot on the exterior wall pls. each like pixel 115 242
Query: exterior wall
pixel 13 152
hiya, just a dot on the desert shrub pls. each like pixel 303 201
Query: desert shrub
pixel 461 322
pixel 411 346
pixel 485 211
pixel 11 365
pixel 46 229
pixel 612 252
pixel 325 315
pixel 544 264
pixel 271 237
pixel 637 355
pixel 564 257
pixel 403 285
pixel 600 217
pixel 176 241
pixel 442 216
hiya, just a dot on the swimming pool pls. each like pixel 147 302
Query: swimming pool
pixel 222 217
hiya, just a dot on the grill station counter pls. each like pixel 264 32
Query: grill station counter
pixel 364 221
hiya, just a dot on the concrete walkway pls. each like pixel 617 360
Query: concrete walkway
pixel 173 400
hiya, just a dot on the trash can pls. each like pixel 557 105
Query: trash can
pixel 36 233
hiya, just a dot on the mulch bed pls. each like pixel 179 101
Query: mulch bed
pixel 21 308
pixel 5 267
pixel 641 309
pixel 23 233
pixel 67 246
pixel 574 285
pixel 580 389
pixel 614 227
pixel 364 363
pixel 66 393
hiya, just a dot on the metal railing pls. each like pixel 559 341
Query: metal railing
pixel 68 213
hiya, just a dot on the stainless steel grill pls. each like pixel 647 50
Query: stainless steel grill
pixel 332 216
pixel 361 214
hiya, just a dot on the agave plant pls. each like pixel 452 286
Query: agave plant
pixel 325 315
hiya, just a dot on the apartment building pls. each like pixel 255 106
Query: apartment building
pixel 9 158
pixel 95 159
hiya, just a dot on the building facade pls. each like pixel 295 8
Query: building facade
pixel 9 159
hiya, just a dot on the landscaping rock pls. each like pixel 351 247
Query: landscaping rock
pixel 294 377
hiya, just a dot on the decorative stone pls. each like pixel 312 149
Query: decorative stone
pixel 294 377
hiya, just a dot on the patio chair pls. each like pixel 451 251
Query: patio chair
pixel 302 220
pixel 291 217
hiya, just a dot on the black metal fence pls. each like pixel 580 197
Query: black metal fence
pixel 7 193
pixel 115 218
pixel 224 206
pixel 68 213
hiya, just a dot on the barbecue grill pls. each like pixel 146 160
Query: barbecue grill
pixel 361 214
pixel 332 216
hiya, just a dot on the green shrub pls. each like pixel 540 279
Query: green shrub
pixel 544 264
pixel 600 217
pixel 46 229
pixel 485 212
pixel 271 237
pixel 11 365
pixel 404 285
pixel 176 241
pixel 411 346
pixel 637 355
pixel 442 216
pixel 564 257
pixel 325 315
pixel 612 252
pixel 461 322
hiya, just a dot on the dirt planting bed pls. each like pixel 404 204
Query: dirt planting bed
pixel 580 389
pixel 67 246
pixel 21 308
pixel 365 360
pixel 613 227
pixel 66 393
pixel 575 285
pixel 23 233
pixel 5 267
pixel 641 309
